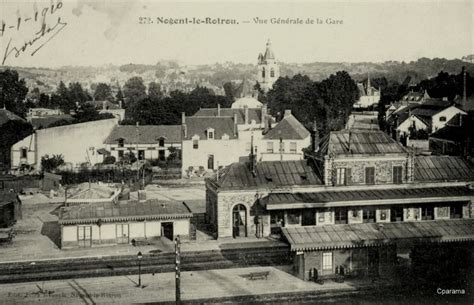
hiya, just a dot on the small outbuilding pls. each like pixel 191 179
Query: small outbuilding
pixel 122 222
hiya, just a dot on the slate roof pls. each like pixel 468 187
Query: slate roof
pixel 374 234
pixel 147 134
pixel 456 130
pixel 46 121
pixel 275 201
pixel 443 168
pixel 268 174
pixel 131 210
pixel 289 128
pixel 199 125
pixel 6 116
pixel 363 142
pixel 254 114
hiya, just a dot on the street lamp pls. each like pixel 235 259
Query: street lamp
pixel 139 256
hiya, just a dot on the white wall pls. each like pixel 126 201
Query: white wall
pixel 405 125
pixel 448 113
pixel 78 143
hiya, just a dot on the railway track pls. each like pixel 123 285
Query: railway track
pixel 150 263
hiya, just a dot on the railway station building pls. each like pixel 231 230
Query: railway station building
pixel 356 204
pixel 109 223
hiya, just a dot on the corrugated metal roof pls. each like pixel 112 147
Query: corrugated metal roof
pixel 147 134
pixel 268 174
pixel 371 142
pixel 132 210
pixel 276 199
pixel 372 234
pixel 443 168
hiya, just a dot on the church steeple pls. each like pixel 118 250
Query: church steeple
pixel 268 69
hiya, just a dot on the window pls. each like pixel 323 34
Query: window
pixel 327 262
pixel 120 143
pixel 397 174
pixel 368 215
pixel 340 176
pixel 442 119
pixel 293 147
pixel 427 213
pixel 272 72
pixel 396 214
pixel 195 144
pixel 210 134
pixel 370 175
pixel 282 147
pixel 263 72
pixel 161 142
pixel 340 216
pixel 120 154
pixel 23 153
pixel 270 147
pixel 293 217
pixel 455 211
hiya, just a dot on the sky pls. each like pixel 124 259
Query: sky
pixel 92 33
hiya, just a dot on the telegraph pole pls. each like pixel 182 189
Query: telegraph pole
pixel 178 270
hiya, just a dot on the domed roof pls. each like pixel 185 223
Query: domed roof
pixel 248 101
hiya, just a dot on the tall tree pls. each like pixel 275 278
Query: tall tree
pixel 103 92
pixel 119 95
pixel 154 91
pixel 134 90
pixel 12 92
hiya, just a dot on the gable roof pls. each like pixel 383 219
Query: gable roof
pixel 365 142
pixel 458 129
pixel 6 116
pixel 443 168
pixel 199 125
pixel 268 174
pixel 147 134
pixel 254 114
pixel 287 129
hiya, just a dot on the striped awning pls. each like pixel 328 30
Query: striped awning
pixel 311 238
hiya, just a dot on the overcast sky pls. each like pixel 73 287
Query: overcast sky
pixel 102 32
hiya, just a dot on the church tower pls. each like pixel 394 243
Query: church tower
pixel 268 69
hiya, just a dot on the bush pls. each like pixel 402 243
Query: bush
pixel 49 164
pixel 109 160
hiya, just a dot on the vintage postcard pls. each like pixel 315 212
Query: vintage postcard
pixel 236 152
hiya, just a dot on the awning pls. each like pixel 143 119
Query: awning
pixel 279 201
pixel 345 236
pixel 103 151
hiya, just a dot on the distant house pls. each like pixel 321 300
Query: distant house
pixel 108 107
pixel 368 96
pixel 216 137
pixel 456 138
pixel 34 113
pixel 147 142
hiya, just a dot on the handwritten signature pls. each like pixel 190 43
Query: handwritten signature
pixel 41 37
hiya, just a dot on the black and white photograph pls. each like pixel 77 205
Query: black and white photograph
pixel 237 152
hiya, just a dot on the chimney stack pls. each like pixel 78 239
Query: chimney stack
pixel 183 124
pixel 287 113
pixel 218 109
pixel 235 124
pixel 264 117
pixel 246 114
pixel 315 140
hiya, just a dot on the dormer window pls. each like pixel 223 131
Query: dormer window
pixel 210 134
pixel 161 142
pixel 121 142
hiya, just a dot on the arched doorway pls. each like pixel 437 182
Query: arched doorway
pixel 239 221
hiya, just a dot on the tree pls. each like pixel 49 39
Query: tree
pixel 119 95
pixel 77 94
pixel 49 164
pixel 154 91
pixel 134 90
pixel 103 92
pixel 13 91
pixel 62 99
pixel 44 100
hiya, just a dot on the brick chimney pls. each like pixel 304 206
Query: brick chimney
pixel 287 113
pixel 246 114
pixel 218 109
pixel 235 124
pixel 264 117
pixel 183 124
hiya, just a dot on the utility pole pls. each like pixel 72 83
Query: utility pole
pixel 178 270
